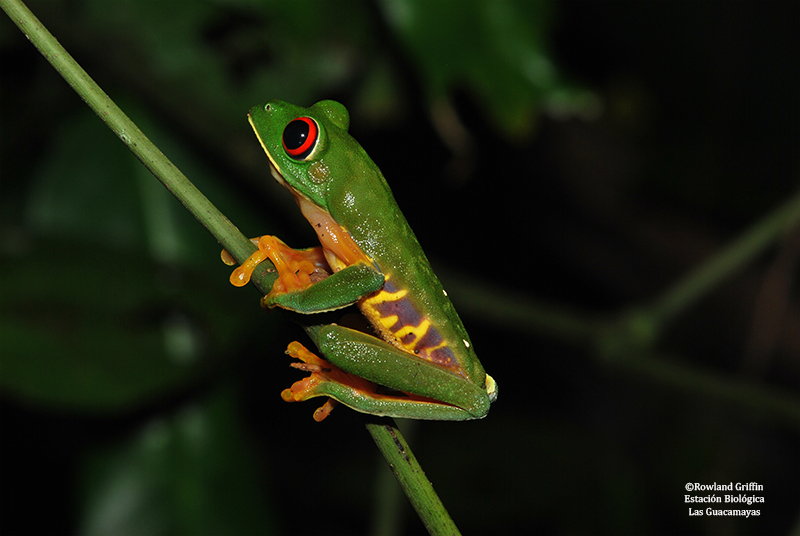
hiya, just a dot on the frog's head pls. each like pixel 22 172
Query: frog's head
pixel 302 143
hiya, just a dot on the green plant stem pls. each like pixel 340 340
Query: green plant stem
pixel 386 435
pixel 409 473
pixel 508 310
pixel 628 340
pixel 768 403
pixel 728 261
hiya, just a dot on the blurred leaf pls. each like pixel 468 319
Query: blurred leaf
pixel 86 186
pixel 495 48
pixel 224 57
pixel 104 301
pixel 189 473
pixel 101 330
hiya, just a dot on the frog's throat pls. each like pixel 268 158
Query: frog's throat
pixel 273 169
pixel 338 245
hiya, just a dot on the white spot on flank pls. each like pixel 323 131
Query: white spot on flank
pixel 444 292
pixel 465 343
pixel 349 199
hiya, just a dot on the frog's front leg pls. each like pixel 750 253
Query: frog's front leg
pixel 356 362
pixel 304 284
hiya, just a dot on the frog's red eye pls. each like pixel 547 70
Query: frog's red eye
pixel 300 137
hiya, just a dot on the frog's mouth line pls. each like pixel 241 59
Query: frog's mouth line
pixel 273 166
pixel 275 172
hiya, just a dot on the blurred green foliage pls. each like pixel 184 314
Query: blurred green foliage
pixel 498 51
pixel 188 473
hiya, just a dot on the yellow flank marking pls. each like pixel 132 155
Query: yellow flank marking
pixel 417 331
pixel 389 321
pixel 442 344
pixel 384 296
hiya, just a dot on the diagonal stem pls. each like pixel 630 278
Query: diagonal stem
pixel 409 473
pixel 731 259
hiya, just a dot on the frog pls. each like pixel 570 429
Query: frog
pixel 417 361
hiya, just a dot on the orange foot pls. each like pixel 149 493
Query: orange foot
pixel 296 267
pixel 322 375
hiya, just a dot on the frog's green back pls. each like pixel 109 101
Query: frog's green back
pixel 413 310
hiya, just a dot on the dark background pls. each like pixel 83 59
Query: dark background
pixel 570 158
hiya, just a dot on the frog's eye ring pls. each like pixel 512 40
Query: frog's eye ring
pixel 300 138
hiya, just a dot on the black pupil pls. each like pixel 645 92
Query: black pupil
pixel 295 134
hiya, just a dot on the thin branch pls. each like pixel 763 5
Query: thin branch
pixel 770 403
pixel 409 473
pixel 627 340
pixel 728 261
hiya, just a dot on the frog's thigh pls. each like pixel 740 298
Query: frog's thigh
pixel 376 360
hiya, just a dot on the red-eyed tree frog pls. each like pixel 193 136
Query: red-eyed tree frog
pixel 421 364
